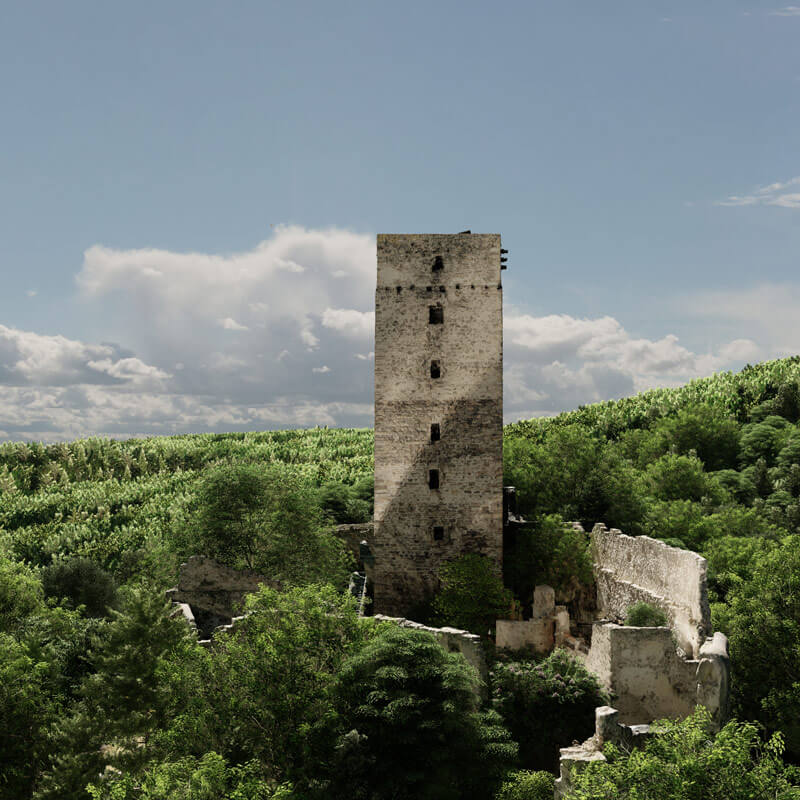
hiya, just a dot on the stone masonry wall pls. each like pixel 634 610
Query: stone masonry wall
pixel 629 569
pixel 644 671
pixel 465 401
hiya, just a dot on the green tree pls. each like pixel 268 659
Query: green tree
pixel 762 621
pixel 545 706
pixel 26 710
pixel 80 582
pixel 265 519
pixel 551 552
pixel 125 700
pixel 526 785
pixel 471 594
pixel 409 725
pixel 264 690
pixel 686 761
pixel 644 615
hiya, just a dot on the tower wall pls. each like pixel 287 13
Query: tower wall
pixel 417 527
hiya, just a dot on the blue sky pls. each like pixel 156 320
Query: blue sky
pixel 189 194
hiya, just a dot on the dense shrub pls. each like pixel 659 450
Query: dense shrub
pixel 686 761
pixel 644 615
pixel 80 582
pixel 762 621
pixel 269 521
pixel 546 705
pixel 471 594
pixel 525 785
pixel 409 725
pixel 549 552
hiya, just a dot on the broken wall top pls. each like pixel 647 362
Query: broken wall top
pixel 630 569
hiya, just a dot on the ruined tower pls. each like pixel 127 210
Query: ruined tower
pixel 438 410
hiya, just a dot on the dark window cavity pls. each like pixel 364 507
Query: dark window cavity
pixel 435 432
pixel 436 369
pixel 435 315
pixel 433 478
pixel 438 264
pixel 438 533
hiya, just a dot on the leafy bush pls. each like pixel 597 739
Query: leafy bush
pixel 268 521
pixel 526 785
pixel 471 594
pixel 762 621
pixel 409 725
pixel 686 761
pixel 206 778
pixel 644 615
pixel 550 552
pixel 546 706
pixel 80 582
pixel 675 477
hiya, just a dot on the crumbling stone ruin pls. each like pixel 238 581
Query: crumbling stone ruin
pixel 209 594
pixel 438 410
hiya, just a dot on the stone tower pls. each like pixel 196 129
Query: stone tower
pixel 438 410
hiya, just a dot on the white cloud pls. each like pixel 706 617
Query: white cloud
pixel 358 324
pixel 786 11
pixel 772 194
pixel 230 324
pixel 302 303
pixel 557 362
pixel 32 292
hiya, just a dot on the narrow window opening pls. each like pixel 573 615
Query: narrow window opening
pixel 433 478
pixel 435 432
pixel 435 315
pixel 438 533
pixel 438 264
pixel 436 369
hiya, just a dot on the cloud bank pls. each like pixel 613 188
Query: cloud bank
pixel 282 336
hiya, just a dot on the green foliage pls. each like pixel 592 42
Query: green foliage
pixel 574 473
pixel 675 477
pixel 206 778
pixel 265 690
pixel 686 761
pixel 545 705
pixel 762 621
pixel 20 594
pixel 344 504
pixel 551 552
pixel 644 615
pixel 409 725
pixel 25 710
pixel 124 700
pixel 471 594
pixel 526 785
pixel 701 431
pixel 268 521
pixel 80 582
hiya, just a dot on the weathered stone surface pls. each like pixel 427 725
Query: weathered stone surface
pixel 417 528
pixel 544 601
pixel 643 669
pixel 631 569
pixel 652 680
pixel 537 634
pixel 714 678
pixel 214 592
pixel 453 640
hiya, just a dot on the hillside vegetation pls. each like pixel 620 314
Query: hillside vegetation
pixel 95 674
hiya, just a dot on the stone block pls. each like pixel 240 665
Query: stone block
pixel 544 601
